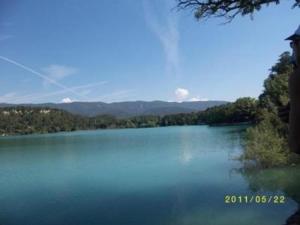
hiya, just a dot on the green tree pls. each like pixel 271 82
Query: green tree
pixel 241 111
pixel 266 143
pixel 275 94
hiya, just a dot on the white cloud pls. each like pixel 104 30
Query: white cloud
pixel 66 100
pixel 164 24
pixel 196 99
pixel 204 99
pixel 58 72
pixel 181 94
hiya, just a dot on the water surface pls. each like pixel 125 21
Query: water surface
pixel 155 176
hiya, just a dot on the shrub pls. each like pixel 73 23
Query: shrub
pixel 265 146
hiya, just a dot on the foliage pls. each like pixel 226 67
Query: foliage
pixel 242 110
pixel 180 119
pixel 266 143
pixel 275 94
pixel 204 9
pixel 26 120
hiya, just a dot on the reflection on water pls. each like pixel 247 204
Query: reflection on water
pixel 283 180
pixel 161 176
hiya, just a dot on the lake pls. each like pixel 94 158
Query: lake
pixel 153 176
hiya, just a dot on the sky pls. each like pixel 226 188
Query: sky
pixel 128 50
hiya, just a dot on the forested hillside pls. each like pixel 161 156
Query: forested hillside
pixel 27 120
pixel 126 109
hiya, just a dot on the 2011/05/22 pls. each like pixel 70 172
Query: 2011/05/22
pixel 259 199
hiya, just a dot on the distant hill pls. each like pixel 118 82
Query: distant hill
pixel 127 109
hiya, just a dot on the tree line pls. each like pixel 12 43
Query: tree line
pixel 28 120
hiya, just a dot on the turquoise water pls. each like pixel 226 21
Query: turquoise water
pixel 163 176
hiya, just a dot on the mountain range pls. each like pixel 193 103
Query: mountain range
pixel 126 109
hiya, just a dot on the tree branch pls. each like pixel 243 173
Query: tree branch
pixel 227 9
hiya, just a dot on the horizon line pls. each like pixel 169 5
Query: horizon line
pixel 24 103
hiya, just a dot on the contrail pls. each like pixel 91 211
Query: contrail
pixel 166 30
pixel 40 75
pixel 39 95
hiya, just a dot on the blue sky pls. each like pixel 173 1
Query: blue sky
pixel 126 50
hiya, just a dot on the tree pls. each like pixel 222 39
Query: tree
pixel 227 9
pixel 266 143
pixel 275 95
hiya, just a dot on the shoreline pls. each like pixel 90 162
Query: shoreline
pixel 119 128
